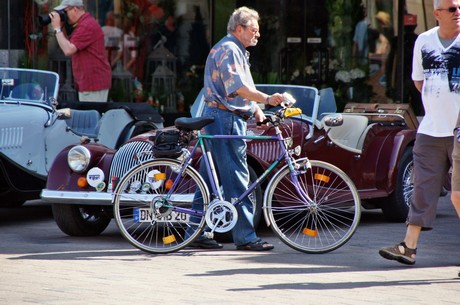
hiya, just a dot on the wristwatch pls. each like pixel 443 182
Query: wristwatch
pixel 57 30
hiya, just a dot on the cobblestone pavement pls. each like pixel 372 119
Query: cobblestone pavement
pixel 41 265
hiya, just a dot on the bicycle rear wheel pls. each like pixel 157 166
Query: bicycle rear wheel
pixel 147 218
pixel 318 227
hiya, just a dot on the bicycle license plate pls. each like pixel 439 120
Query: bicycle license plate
pixel 146 215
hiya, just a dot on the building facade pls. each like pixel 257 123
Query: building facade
pixel 158 47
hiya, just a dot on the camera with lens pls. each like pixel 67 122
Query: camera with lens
pixel 45 19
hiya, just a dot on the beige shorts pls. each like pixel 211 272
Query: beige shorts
pixel 456 166
pixel 432 160
pixel 94 96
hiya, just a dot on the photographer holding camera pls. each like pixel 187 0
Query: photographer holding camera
pixel 91 69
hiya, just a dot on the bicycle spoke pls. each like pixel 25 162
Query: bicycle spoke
pixel 322 224
pixel 150 218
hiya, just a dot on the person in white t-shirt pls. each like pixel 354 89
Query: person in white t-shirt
pixel 112 39
pixel 436 74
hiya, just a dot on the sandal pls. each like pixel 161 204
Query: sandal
pixel 395 253
pixel 256 246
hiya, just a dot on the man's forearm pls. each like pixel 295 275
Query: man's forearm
pixel 66 46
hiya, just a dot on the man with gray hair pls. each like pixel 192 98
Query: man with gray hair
pixel 436 63
pixel 90 67
pixel 231 98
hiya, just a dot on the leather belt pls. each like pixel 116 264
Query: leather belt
pixel 220 106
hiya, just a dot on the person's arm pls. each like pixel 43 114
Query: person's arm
pixel 66 46
pixel 418 84
pixel 260 97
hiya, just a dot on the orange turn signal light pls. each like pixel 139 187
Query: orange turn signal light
pixel 82 182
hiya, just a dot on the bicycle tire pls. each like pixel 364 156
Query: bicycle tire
pixel 323 226
pixel 134 206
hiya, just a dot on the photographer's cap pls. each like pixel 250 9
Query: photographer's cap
pixel 67 3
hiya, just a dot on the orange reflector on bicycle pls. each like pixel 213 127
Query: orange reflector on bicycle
pixel 169 239
pixel 159 176
pixel 322 177
pixel 310 232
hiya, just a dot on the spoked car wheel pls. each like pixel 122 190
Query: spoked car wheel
pixel 396 206
pixel 322 225
pixel 148 218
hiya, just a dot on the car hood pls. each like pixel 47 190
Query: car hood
pixel 20 116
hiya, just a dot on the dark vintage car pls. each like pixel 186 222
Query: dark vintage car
pixel 33 131
pixel 375 150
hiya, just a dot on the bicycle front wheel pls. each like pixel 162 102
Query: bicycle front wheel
pixel 148 218
pixel 322 224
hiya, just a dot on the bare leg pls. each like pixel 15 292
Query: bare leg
pixel 455 197
pixel 412 235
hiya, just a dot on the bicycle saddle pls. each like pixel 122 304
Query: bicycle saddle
pixel 193 123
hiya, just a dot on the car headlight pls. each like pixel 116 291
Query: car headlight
pixel 78 158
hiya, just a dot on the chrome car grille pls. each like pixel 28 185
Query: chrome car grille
pixel 265 150
pixel 128 156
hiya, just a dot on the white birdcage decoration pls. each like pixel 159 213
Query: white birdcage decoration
pixel 122 79
pixel 160 56
pixel 163 86
pixel 161 74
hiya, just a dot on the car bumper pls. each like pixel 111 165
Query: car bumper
pixel 102 198
pixel 84 198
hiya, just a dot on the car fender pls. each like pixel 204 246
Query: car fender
pixel 112 124
pixel 387 164
pixel 61 177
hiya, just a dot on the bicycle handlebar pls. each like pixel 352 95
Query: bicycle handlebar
pixel 279 115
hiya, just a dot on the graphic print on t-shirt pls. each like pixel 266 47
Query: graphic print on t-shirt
pixel 446 64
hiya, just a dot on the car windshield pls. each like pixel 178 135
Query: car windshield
pixel 24 85
pixel 305 97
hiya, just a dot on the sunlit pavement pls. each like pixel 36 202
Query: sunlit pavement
pixel 41 265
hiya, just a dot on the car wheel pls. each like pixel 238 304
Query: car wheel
pixel 77 220
pixel 257 202
pixel 396 207
pixel 13 204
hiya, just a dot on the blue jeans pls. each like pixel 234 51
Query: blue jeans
pixel 229 157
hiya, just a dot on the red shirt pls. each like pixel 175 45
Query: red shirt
pixel 91 68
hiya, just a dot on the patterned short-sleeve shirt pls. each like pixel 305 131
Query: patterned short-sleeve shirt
pixel 228 69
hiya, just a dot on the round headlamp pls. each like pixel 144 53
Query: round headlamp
pixel 78 158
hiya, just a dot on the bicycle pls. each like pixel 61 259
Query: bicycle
pixel 312 206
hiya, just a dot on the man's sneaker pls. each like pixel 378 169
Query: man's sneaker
pixel 205 243
pixel 400 253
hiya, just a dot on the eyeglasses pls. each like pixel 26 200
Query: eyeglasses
pixel 451 9
pixel 252 29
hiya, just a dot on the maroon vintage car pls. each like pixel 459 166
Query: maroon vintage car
pixel 374 149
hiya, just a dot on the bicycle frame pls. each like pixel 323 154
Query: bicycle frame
pixel 212 174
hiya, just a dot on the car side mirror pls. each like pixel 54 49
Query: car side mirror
pixel 332 120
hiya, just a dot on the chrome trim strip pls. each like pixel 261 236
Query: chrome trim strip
pixel 102 198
